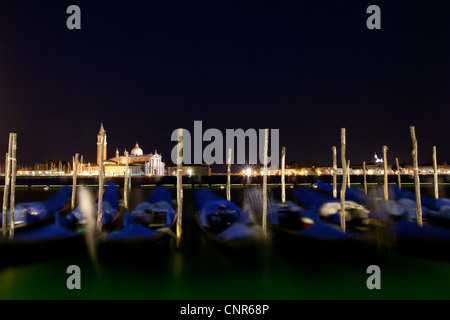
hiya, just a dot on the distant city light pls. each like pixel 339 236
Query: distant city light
pixel 378 160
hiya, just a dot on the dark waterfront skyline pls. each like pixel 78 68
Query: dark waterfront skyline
pixel 146 68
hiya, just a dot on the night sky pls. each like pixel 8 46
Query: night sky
pixel 146 68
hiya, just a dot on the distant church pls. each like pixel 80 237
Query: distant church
pixel 139 163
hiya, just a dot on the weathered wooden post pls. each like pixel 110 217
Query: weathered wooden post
pixel 398 174
pixel 7 187
pixel 125 183
pixel 264 213
pixel 344 178
pixel 435 170
pixel 365 177
pixel 13 185
pixel 283 174
pixel 416 177
pixel 348 173
pixel 101 173
pixel 179 185
pixel 334 172
pixel 74 180
pixel 229 175
pixel 385 186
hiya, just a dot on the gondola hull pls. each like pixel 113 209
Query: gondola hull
pixel 138 238
pixel 249 250
pixel 62 238
pixel 302 246
pixel 144 248
pixel 401 232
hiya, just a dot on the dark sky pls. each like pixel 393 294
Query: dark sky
pixel 146 68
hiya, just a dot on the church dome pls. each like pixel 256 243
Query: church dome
pixel 137 151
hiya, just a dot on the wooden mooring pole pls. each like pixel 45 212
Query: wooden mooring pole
pixel 435 174
pixel 416 177
pixel 126 183
pixel 229 175
pixel 399 178
pixel 13 185
pixel 344 178
pixel 264 213
pixel 348 173
pixel 334 172
pixel 101 176
pixel 283 174
pixel 179 185
pixel 74 180
pixel 7 187
pixel 385 183
pixel 365 177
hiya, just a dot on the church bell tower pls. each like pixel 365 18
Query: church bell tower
pixel 99 142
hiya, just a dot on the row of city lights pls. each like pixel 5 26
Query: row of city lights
pixel 246 172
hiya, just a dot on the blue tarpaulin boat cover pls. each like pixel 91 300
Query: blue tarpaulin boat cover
pixel 143 210
pixel 50 231
pixel 320 229
pixel 277 210
pixel 63 226
pixel 29 212
pixel 204 195
pixel 159 201
pixel 313 199
pixel 208 203
pixel 160 193
pixel 352 194
pixel 404 206
pixel 441 204
pixel 110 206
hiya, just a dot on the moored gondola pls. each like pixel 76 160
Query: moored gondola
pixel 30 215
pixel 303 234
pixel 231 229
pixel 396 221
pixel 145 231
pixel 64 237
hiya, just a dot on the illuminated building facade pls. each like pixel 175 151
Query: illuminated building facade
pixel 139 163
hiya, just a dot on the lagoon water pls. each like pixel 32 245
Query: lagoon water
pixel 198 270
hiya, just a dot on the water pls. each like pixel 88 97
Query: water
pixel 198 270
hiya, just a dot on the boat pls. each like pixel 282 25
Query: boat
pixel 231 229
pixel 441 204
pixel 29 215
pixel 353 194
pixel 65 236
pixel 397 221
pixel 147 228
pixel 436 212
pixel 329 208
pixel 110 211
pixel 308 232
